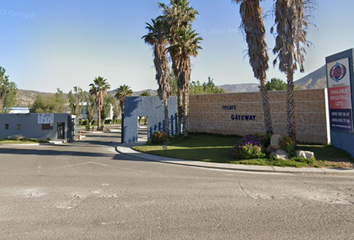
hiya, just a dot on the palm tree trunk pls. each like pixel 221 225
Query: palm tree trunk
pixel 185 108
pixel 291 126
pixel 99 119
pixel 266 108
pixel 166 122
pixel 180 110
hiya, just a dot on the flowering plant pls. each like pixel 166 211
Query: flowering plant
pixel 250 146
pixel 159 137
pixel 287 143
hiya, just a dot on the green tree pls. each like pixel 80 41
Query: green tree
pixel 122 92
pixel 184 43
pixel 107 106
pixel 157 38
pixel 99 89
pixel 116 110
pixel 76 101
pixel 289 48
pixel 49 104
pixel 205 88
pixel 91 108
pixel 145 94
pixel 8 92
pixel 276 84
pixel 253 26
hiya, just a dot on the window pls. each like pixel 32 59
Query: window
pixel 46 127
pixel 18 127
pixel 7 126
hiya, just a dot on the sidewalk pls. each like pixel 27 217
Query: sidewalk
pixel 126 149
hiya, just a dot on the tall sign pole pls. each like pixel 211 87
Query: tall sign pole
pixel 340 100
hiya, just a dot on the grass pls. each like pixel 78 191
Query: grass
pixel 22 141
pixel 216 148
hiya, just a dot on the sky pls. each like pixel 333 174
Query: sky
pixel 50 44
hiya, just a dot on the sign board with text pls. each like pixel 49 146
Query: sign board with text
pixel 339 95
pixel 45 118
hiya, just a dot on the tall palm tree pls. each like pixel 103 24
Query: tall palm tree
pixel 290 49
pixel 122 92
pixel 182 50
pixel 253 26
pixel 99 89
pixel 156 37
pixel 178 16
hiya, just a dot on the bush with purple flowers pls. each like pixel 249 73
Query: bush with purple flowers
pixel 249 147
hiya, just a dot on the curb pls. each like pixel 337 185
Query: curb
pixel 127 150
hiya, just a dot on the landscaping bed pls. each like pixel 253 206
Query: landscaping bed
pixel 217 148
pixel 22 141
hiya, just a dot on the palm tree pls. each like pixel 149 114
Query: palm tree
pixel 182 50
pixel 253 26
pixel 290 49
pixel 145 94
pixel 178 17
pixel 122 92
pixel 99 89
pixel 156 37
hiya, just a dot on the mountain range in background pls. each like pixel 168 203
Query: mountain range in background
pixel 314 80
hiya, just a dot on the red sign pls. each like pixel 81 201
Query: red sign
pixel 340 97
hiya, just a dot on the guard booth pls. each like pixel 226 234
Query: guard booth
pixel 153 109
pixel 52 126
pixel 340 99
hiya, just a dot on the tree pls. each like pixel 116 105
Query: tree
pixel 116 110
pixel 184 43
pixel 187 46
pixel 157 38
pixel 107 106
pixel 205 88
pixel 122 92
pixel 8 92
pixel 145 94
pixel 99 89
pixel 276 84
pixel 253 26
pixel 91 108
pixel 76 101
pixel 289 47
pixel 49 104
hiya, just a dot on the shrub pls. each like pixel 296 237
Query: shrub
pixel 83 122
pixel 265 139
pixel 287 143
pixel 107 121
pixel 249 147
pixel 159 137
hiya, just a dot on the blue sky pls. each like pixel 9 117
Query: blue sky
pixel 50 44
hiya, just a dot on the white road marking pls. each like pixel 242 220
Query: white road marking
pixel 80 164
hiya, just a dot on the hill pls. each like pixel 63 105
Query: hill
pixel 314 80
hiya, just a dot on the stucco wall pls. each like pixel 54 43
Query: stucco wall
pixel 153 108
pixel 208 115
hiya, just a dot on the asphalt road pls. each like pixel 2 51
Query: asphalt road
pixel 86 190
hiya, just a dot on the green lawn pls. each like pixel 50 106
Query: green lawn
pixel 216 148
pixel 21 141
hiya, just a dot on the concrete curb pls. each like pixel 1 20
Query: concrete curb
pixel 126 149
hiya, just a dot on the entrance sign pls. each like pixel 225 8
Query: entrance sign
pixel 45 118
pixel 340 83
pixel 339 94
